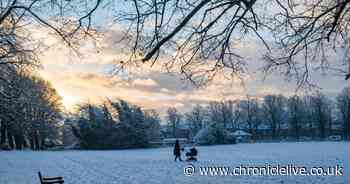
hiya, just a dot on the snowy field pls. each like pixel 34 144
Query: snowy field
pixel 157 165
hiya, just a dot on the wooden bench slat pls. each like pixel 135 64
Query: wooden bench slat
pixel 50 180
pixel 55 178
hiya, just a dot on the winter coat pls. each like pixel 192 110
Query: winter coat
pixel 177 150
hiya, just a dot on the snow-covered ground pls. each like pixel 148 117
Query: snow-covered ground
pixel 157 165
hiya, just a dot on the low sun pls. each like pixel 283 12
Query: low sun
pixel 69 102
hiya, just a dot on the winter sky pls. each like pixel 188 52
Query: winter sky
pixel 88 76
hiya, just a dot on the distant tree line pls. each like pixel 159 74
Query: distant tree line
pixel 273 117
pixel 29 109
pixel 116 125
pixel 30 117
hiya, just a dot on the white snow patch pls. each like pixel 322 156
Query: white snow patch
pixel 157 165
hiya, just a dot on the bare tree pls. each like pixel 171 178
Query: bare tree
pixel 274 109
pixel 343 104
pixel 174 120
pixel 251 113
pixel 30 102
pixel 69 20
pixel 224 113
pixel 152 118
pixel 297 115
pixel 237 114
pixel 321 113
pixel 199 36
pixel 308 32
pixel 196 118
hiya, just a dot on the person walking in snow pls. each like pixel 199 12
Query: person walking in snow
pixel 177 150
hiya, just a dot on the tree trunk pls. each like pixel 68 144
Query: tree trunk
pixel 296 128
pixel 32 143
pixel 3 131
pixel 311 131
pixel 18 142
pixel 297 136
pixel 347 129
pixel 36 141
pixel 322 130
pixel 11 141
pixel 273 127
pixel 42 147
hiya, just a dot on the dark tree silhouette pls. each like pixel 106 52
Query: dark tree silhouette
pixel 343 104
pixel 199 36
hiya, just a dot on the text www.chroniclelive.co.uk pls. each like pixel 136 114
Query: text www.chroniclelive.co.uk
pixel 267 170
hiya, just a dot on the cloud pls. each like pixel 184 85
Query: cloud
pixel 87 76
pixel 145 82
